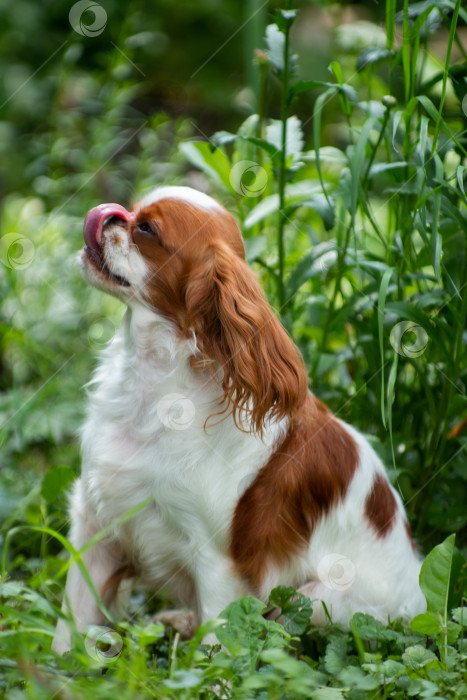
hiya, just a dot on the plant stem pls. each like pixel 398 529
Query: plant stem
pixel 452 34
pixel 377 145
pixel 283 176
pixel 337 285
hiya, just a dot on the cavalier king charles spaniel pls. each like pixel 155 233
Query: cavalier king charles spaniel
pixel 200 410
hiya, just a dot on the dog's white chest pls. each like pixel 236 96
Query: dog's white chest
pixel 148 438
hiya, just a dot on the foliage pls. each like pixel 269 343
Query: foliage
pixel 359 237
pixel 258 658
pixel 363 250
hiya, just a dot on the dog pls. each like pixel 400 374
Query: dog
pixel 200 410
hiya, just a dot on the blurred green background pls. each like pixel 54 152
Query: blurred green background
pixel 63 93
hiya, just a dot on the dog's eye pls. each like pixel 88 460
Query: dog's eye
pixel 145 227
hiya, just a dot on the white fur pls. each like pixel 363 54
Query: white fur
pixel 130 452
pixel 187 194
pixel 145 437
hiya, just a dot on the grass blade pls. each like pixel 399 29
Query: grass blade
pixel 381 304
pixel 390 23
pixel 436 241
pixel 317 111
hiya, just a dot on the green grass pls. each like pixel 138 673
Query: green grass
pixel 357 228
pixel 259 657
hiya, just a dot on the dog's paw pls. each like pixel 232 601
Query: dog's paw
pixel 184 622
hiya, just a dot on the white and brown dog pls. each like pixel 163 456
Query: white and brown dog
pixel 201 402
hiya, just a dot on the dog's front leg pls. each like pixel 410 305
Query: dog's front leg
pixel 101 562
pixel 217 585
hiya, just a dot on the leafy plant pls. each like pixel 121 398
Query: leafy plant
pixel 258 658
pixel 363 248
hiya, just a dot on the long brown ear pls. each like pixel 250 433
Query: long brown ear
pixel 234 324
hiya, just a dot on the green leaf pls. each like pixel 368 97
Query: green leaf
pixel 325 208
pixel 388 669
pixel 254 247
pixel 436 240
pixel 335 658
pixel 381 303
pixel 460 615
pixel 406 50
pixel 416 657
pixel 367 627
pixel 390 22
pixel 328 694
pixel 416 9
pixel 396 120
pixel 151 633
pixel 237 615
pixel 453 631
pixel 214 163
pixel 355 677
pixel 460 173
pixel 369 57
pixel 265 208
pixel 304 85
pixel 220 138
pixel 458 77
pixel 184 679
pixel 435 576
pixel 281 595
pixel 296 608
pixel 327 154
pixel 350 93
pixel 296 192
pixel 412 313
pixel 390 399
pixel 317 114
pixel 428 105
pixel 407 188
pixel 356 163
pixel 285 18
pixel 384 167
pixel 245 633
pixel 249 127
pixel 322 206
pixel 426 623
pixel 302 271
pixel 56 481
pixel 392 669
pixel 17 590
pixel 270 149
pixel 337 70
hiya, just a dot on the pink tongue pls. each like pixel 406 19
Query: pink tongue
pixel 94 222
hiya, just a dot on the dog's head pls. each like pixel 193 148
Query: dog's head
pixel 180 253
